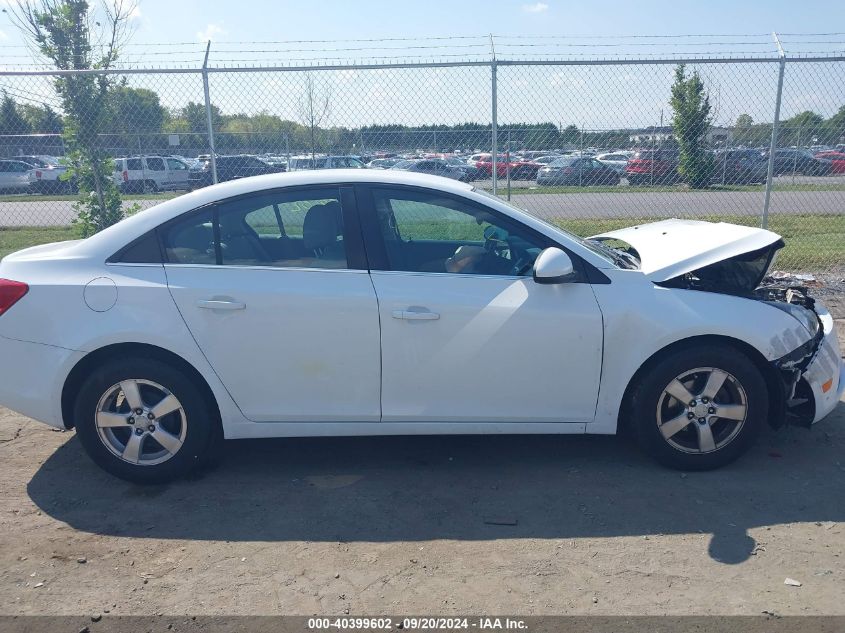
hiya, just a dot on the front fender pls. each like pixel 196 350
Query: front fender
pixel 641 319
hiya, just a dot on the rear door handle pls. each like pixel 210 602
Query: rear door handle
pixel 216 304
pixel 410 315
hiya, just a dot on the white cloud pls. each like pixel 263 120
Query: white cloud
pixel 537 7
pixel 135 13
pixel 3 36
pixel 211 32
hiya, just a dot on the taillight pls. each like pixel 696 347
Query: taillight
pixel 125 176
pixel 10 293
pixel 38 174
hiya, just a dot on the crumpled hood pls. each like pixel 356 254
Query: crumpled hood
pixel 671 248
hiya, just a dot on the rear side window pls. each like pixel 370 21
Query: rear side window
pixel 133 164
pixel 143 251
pixel 155 164
pixel 191 239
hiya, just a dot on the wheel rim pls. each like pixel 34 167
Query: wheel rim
pixel 141 422
pixel 702 410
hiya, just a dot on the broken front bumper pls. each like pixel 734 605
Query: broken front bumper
pixel 825 375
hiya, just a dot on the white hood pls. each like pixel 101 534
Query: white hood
pixel 671 248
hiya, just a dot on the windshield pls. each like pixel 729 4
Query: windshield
pixel 610 255
pixel 562 162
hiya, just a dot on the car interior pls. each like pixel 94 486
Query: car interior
pixel 252 236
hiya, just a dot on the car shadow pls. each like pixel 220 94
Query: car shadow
pixel 386 489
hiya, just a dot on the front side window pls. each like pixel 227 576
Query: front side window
pixel 279 229
pixel 427 231
pixel 176 165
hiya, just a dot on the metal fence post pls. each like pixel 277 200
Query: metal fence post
pixel 208 114
pixel 764 221
pixel 494 145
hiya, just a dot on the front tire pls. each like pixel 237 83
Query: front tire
pixel 699 408
pixel 144 421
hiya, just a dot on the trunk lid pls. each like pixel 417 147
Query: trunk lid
pixel 714 255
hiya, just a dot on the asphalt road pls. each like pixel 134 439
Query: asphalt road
pixel 617 204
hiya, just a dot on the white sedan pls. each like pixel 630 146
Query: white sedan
pixel 358 302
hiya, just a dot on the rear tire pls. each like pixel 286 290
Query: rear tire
pixel 716 379
pixel 183 430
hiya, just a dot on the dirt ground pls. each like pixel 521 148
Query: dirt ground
pixel 438 525
pixel 524 525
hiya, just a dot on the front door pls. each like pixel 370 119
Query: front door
pixel 278 297
pixel 467 335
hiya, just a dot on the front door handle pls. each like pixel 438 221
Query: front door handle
pixel 217 304
pixel 410 315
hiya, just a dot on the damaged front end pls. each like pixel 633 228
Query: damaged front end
pixel 729 259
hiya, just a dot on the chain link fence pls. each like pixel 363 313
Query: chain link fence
pixel 590 145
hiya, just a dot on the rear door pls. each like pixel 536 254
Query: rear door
pixel 287 316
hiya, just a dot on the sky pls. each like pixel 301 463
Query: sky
pixel 255 32
pixel 189 20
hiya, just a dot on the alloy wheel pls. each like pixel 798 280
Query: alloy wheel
pixel 141 422
pixel 702 410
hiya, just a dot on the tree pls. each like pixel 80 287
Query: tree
pixel 313 108
pixel 135 110
pixel 691 122
pixel 72 35
pixel 802 128
pixel 835 127
pixel 196 119
pixel 11 119
pixel 41 119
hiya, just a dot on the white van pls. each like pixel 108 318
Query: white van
pixel 149 174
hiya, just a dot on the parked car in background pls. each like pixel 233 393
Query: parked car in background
pixel 149 174
pixel 547 159
pixel 229 168
pixel 470 171
pixel 307 161
pixel 615 160
pixel 433 167
pixel 275 161
pixel 382 163
pixel 739 167
pixel 837 160
pixel 48 174
pixel 520 169
pixel 16 176
pixel 574 171
pixel 799 161
pixel 653 167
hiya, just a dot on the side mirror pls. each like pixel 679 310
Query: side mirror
pixel 553 266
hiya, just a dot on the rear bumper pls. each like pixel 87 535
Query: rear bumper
pixel 32 376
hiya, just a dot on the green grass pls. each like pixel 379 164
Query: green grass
pixel 813 242
pixel 14 239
